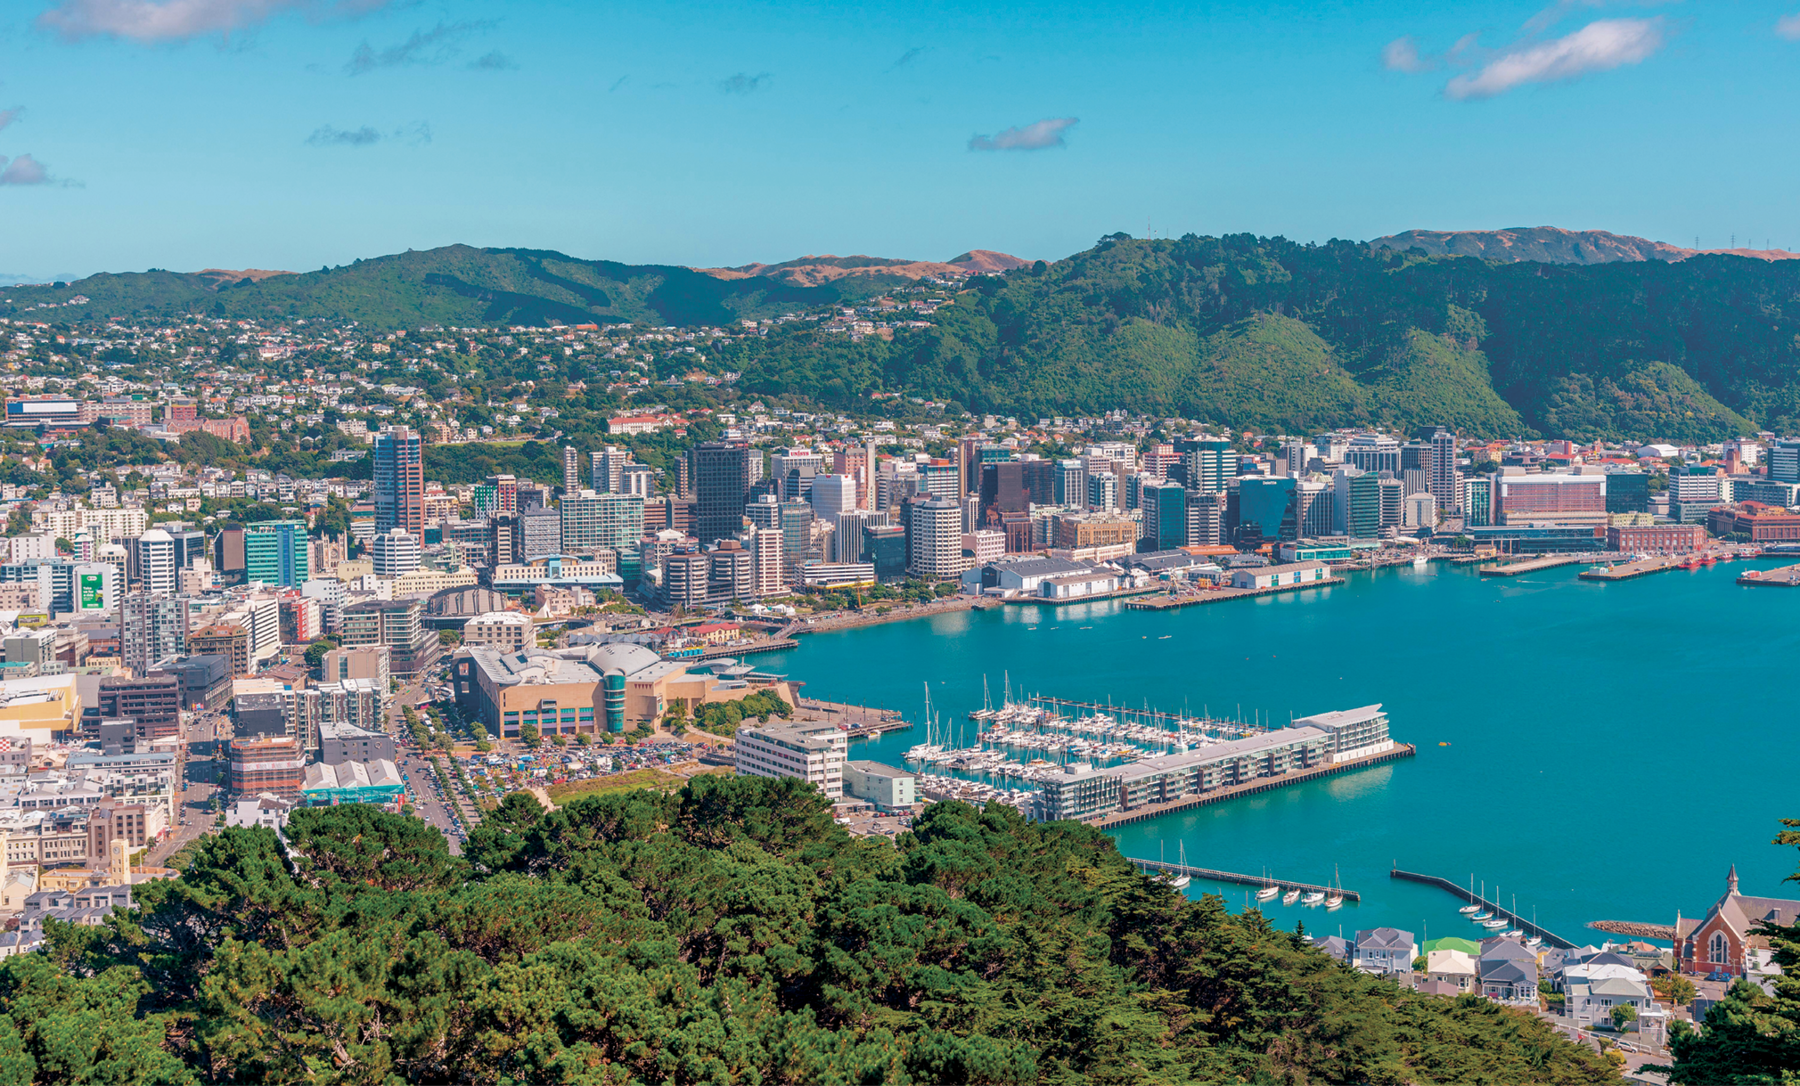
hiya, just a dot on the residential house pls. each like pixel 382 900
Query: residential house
pixel 1385 951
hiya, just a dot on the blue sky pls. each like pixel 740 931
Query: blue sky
pixel 297 133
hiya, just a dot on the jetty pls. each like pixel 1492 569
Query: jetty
pixel 1220 595
pixel 1779 577
pixel 769 645
pixel 1101 597
pixel 857 721
pixel 1625 571
pixel 1533 565
pixel 1242 880
pixel 1249 788
pixel 1527 926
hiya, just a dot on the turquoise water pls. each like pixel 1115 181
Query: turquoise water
pixel 1613 747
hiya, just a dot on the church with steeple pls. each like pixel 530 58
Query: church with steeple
pixel 1725 938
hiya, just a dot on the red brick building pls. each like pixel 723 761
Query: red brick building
pixel 1721 940
pixel 270 764
pixel 1656 538
pixel 1760 521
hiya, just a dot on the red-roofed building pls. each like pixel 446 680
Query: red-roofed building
pixel 1760 521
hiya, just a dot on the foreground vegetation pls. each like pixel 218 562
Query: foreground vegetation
pixel 731 932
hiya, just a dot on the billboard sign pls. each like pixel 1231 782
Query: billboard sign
pixel 93 595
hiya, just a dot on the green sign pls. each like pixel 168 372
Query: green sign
pixel 92 597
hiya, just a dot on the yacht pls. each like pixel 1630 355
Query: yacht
pixel 1481 917
pixel 1290 897
pixel 1268 892
pixel 1495 924
pixel 1335 899
pixel 1514 933
pixel 1420 561
pixel 1316 897
pixel 1179 879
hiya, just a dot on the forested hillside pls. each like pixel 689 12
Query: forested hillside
pixel 1265 333
pixel 729 933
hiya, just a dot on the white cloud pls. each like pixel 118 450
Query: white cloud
pixel 1032 137
pixel 1402 55
pixel 1597 47
pixel 175 20
pixel 1788 26
pixel 24 170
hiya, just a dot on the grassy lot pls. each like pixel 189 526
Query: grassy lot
pixel 625 782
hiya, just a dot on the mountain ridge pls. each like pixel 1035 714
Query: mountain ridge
pixel 1555 245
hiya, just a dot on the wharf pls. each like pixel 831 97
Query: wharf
pixel 1625 571
pixel 1780 577
pixel 1533 565
pixel 1528 927
pixel 1244 880
pixel 771 645
pixel 1250 788
pixel 857 721
pixel 1220 595
pixel 1048 601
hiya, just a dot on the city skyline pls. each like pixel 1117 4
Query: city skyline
pixel 251 133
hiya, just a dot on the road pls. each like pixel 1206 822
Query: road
pixel 204 734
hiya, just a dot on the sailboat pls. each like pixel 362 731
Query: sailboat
pixel 1314 897
pixel 923 752
pixel 1180 880
pixel 1290 897
pixel 1335 899
pixel 1269 889
pixel 1514 933
pixel 1491 922
pixel 1471 909
pixel 1481 913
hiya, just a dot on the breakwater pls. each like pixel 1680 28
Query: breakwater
pixel 1634 929
pixel 1529 927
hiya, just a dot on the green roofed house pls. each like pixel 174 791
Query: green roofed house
pixel 1451 942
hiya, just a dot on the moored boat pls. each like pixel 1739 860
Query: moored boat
pixel 1290 897
pixel 1315 897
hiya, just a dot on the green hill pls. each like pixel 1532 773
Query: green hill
pixel 456 285
pixel 729 933
pixel 1265 333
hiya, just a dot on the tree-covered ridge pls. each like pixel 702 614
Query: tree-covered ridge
pixel 728 933
pixel 1269 334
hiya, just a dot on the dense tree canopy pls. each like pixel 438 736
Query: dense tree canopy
pixel 731 932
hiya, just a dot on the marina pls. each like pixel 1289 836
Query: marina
pixel 1489 914
pixel 1262 881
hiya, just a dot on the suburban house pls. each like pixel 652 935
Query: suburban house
pixel 1508 972
pixel 1453 967
pixel 1385 951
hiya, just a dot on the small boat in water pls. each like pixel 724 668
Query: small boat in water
pixel 1335 899
pixel 1495 924
pixel 1481 917
pixel 1515 933
pixel 1290 897
pixel 1268 892
pixel 1179 880
pixel 1420 561
pixel 1470 910
pixel 1316 897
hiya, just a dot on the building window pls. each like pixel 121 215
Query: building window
pixel 1718 950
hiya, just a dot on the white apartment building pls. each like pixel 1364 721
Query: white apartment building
pixel 936 541
pixel 813 752
pixel 508 631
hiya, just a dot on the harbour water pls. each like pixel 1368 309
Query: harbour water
pixel 1611 748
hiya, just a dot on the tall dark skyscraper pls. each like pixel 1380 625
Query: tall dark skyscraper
pixel 399 481
pixel 721 480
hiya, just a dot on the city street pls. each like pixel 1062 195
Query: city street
pixel 203 772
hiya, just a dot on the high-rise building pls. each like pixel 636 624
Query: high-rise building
pixel 884 547
pixel 1478 501
pixel 609 468
pixel 768 564
pixel 539 534
pixel 1313 506
pixel 399 460
pixel 638 481
pixel 1206 519
pixel 506 494
pixel 228 550
pixel 276 552
pixel 939 479
pixel 1204 463
pixel 1268 510
pixel 1373 453
pixel 796 535
pixel 571 465
pixel 1393 501
pixel 721 476
pixel 1002 491
pixel 1296 455
pixel 1784 461
pixel 1103 491
pixel 1071 483
pixel 833 494
pixel 1165 515
pixel 1442 477
pixel 1357 503
pixel 935 540
pixel 591 521
pixel 150 630
pixel 395 552
pixel 847 534
pixel 502 539
pixel 153 561
pixel 1627 492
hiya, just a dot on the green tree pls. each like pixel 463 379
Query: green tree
pixel 529 735
pixel 1623 1015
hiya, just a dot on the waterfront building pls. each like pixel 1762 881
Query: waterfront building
pixel 1393 502
pixel 1165 523
pixel 889 789
pixel 1784 461
pixel 1657 538
pixel 1627 492
pixel 884 547
pixel 1355 733
pixel 1385 951
pixel 1696 485
pixel 1356 503
pixel 1552 499
pixel 813 752
pixel 1082 792
pixel 987 546
pixel 1442 477
pixel 276 552
pixel 1508 972
pixel 935 540
pixel 1538 538
pixel 1268 509
pixel 1760 523
pixel 399 475
pixel 838 575
pixel 1478 502
pixel 1262 577
pixel 1455 968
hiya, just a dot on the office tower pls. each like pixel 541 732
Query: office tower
pixel 228 550
pixel 399 481
pixel 1373 452
pixel 591 521
pixel 571 464
pixel 847 534
pixel 1206 516
pixel 502 539
pixel 1393 501
pixel 1165 516
pixel 1103 491
pixel 150 630
pixel 833 494
pixel 1296 455
pixel 1002 491
pixel 1040 481
pixel 1268 510
pixel 1071 483
pixel 1204 463
pixel 1312 507
pixel 796 533
pixel 1784 461
pixel 1442 477
pixel 868 468
pixel 396 551
pixel 733 572
pixel 638 480
pixel 1628 492
pixel 190 546
pixel 533 496
pixel 721 478
pixel 936 540
pixel 971 507
pixel 276 552
pixel 609 467
pixel 1357 503
pixel 938 478
pixel 884 547
pixel 1478 501
pixel 154 563
pixel 684 477
pixel 763 511
pixel 506 494
pixel 539 534
pixel 768 564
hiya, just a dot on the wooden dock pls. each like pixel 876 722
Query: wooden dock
pixel 1249 788
pixel 1625 571
pixel 719 652
pixel 1528 927
pixel 1780 577
pixel 1220 595
pixel 1243 880
pixel 1533 565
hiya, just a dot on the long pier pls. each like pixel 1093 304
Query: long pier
pixel 1527 926
pixel 1628 570
pixel 1101 597
pixel 1220 595
pixel 1261 784
pixel 1779 577
pixel 1533 565
pixel 1243 880
pixel 717 652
